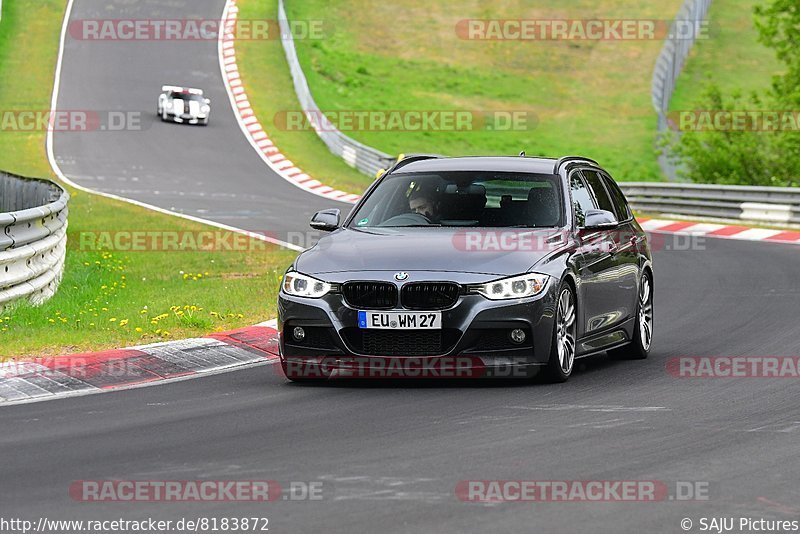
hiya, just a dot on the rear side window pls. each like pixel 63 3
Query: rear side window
pixel 581 198
pixel 598 189
pixel 618 199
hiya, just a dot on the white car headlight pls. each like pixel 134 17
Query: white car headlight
pixel 205 109
pixel 516 287
pixel 301 285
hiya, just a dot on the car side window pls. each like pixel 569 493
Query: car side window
pixel 599 191
pixel 581 198
pixel 621 207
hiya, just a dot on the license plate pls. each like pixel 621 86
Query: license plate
pixel 400 320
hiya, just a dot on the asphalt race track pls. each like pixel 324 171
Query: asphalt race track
pixel 390 454
pixel 209 172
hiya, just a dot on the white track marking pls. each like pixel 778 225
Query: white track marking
pixel 57 170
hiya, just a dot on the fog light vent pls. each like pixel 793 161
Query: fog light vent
pixel 299 334
pixel 518 335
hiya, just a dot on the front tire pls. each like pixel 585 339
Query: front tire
pixel 562 349
pixel 639 347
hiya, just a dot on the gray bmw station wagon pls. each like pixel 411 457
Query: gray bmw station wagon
pixel 470 266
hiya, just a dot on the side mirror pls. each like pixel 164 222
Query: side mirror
pixel 325 220
pixel 598 219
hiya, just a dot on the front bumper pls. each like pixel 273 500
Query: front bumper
pixel 474 340
pixel 188 119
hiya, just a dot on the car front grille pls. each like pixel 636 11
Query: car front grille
pixel 401 342
pixel 370 295
pixel 429 295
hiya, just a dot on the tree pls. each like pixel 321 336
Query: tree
pixel 751 156
pixel 778 26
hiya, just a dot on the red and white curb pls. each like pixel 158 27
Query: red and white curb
pixel 249 124
pixel 743 233
pixel 48 378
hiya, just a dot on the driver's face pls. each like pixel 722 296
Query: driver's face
pixel 422 205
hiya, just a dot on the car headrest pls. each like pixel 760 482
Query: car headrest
pixel 465 202
pixel 541 194
pixel 543 206
pixel 472 189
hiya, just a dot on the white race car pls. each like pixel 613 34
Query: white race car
pixel 183 104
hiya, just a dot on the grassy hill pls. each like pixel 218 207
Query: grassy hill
pixel 590 97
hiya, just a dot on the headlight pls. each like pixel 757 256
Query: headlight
pixel 301 285
pixel 205 109
pixel 526 285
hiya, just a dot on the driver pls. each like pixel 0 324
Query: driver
pixel 424 203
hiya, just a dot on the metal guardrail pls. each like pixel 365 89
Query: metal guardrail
pixel 364 158
pixel 670 64
pixel 765 205
pixel 33 238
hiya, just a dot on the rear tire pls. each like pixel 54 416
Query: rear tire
pixel 639 347
pixel 562 349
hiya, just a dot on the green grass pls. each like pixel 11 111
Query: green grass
pixel 590 97
pixel 112 299
pixel 732 57
pixel 268 83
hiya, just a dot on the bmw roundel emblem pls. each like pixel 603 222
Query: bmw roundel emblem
pixel 400 276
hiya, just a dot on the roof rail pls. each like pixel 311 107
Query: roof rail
pixel 405 160
pixel 565 159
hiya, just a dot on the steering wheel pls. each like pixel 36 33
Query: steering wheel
pixel 406 219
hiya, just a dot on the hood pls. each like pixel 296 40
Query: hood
pixel 498 251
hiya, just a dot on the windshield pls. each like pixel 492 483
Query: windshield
pixel 463 199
